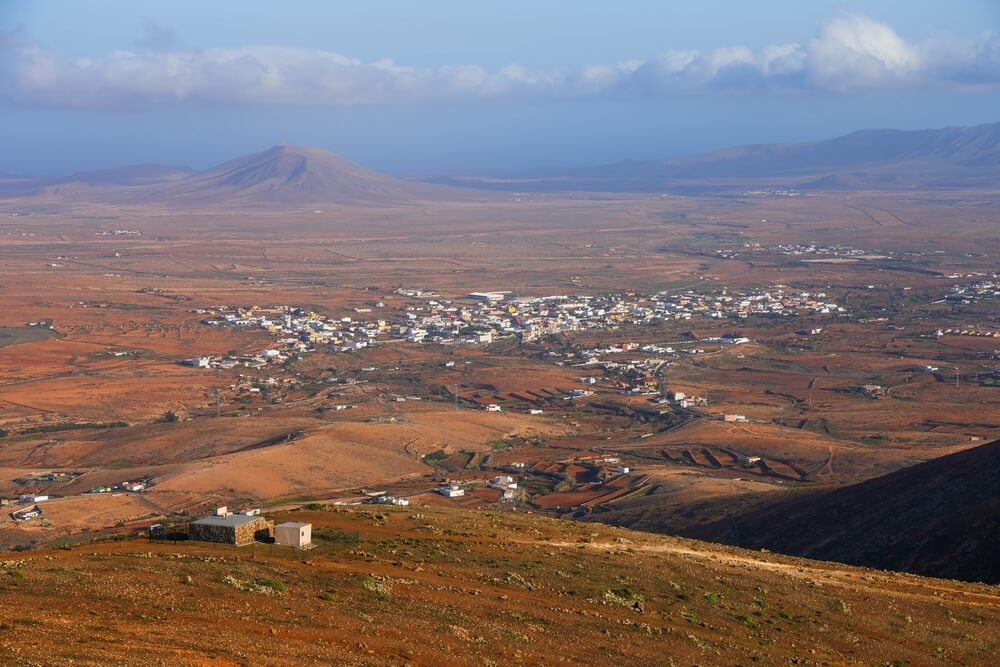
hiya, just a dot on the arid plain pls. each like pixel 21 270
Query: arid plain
pixel 102 303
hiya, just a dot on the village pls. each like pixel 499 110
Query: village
pixel 484 317
pixel 985 288
pixel 814 252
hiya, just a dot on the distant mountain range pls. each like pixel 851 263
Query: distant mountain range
pixel 940 518
pixel 950 157
pixel 290 176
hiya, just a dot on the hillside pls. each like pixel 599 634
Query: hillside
pixel 432 586
pixel 949 157
pixel 938 518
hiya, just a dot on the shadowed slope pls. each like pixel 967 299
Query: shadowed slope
pixel 939 518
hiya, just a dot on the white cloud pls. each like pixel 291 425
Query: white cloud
pixel 856 52
pixel 849 53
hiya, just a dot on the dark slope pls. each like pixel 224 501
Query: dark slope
pixel 940 518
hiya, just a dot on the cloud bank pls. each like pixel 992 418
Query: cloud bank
pixel 850 53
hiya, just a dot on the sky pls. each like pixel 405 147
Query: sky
pixel 447 86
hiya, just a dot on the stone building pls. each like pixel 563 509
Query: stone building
pixel 236 529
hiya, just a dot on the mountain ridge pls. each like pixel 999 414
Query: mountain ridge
pixel 285 174
pixel 946 157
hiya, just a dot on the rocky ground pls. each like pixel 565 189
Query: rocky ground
pixel 437 586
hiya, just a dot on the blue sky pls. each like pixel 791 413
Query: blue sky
pixel 430 87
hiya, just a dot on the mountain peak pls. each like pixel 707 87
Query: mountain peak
pixel 290 174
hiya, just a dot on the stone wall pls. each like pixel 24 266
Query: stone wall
pixel 238 535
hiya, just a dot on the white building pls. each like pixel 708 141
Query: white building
pixel 293 534
pixel 451 491
pixel 392 500
pixel 488 296
pixel 505 481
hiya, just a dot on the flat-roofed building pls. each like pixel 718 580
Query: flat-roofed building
pixel 293 534
pixel 235 529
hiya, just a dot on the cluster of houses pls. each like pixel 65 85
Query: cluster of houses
pixel 683 400
pixel 482 317
pixel 118 232
pixel 834 250
pixel 127 487
pixel 987 288
pixel 506 484
pixel 965 332
pixel 28 513
pixel 819 251
pixel 389 500
pixel 33 499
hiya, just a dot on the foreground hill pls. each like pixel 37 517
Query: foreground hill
pixel 949 157
pixel 939 518
pixel 432 586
